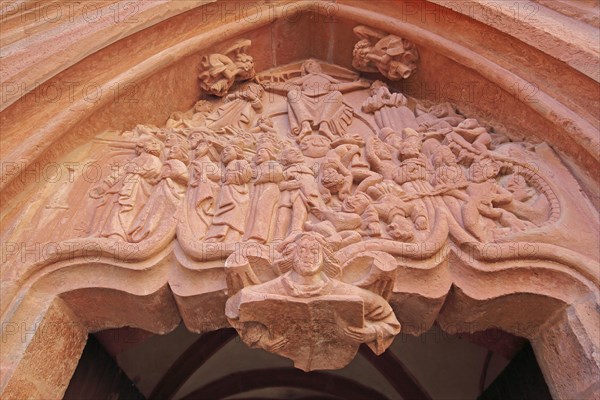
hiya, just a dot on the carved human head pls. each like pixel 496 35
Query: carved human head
pixel 151 146
pixel 231 152
pixel 362 48
pixel 411 145
pixel 357 203
pixel 443 156
pixel 469 123
pixel 252 91
pixel 263 120
pixel 179 152
pixel 442 110
pixel 172 137
pixel 246 140
pixel 310 254
pixel 245 63
pixel 379 87
pixel 198 136
pixel 311 66
pixel 330 176
pixel 381 149
pixel 399 228
pixel 291 155
pixel 315 146
pixel 265 152
pixel 391 137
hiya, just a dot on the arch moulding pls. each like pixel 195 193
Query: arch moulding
pixel 194 162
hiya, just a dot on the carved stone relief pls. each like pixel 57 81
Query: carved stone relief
pixel 331 177
pixel 393 57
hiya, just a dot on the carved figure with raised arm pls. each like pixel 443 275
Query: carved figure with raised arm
pixel 127 189
pixel 389 109
pixel 164 202
pixel 315 102
pixel 238 110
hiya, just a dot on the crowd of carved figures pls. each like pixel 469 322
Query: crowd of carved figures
pixel 241 179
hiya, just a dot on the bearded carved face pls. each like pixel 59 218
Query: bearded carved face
pixel 291 156
pixel 381 150
pixel 308 257
pixel 153 147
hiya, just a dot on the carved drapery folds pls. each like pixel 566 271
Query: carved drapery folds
pixel 336 182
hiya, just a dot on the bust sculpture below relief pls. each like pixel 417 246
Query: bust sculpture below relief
pixel 308 315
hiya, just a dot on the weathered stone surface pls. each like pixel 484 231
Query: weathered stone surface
pixel 438 204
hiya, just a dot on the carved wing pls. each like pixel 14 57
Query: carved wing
pixel 372 35
pixel 372 270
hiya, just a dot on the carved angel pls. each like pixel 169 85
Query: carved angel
pixel 283 315
pixel 394 57
pixel 218 72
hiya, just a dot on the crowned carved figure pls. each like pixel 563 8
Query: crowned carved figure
pixel 308 314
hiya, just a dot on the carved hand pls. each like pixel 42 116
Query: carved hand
pixel 421 223
pixel 364 83
pixel 276 345
pixel 374 229
pixel 362 335
pixel 344 192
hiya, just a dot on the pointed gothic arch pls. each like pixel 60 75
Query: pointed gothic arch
pixel 54 293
